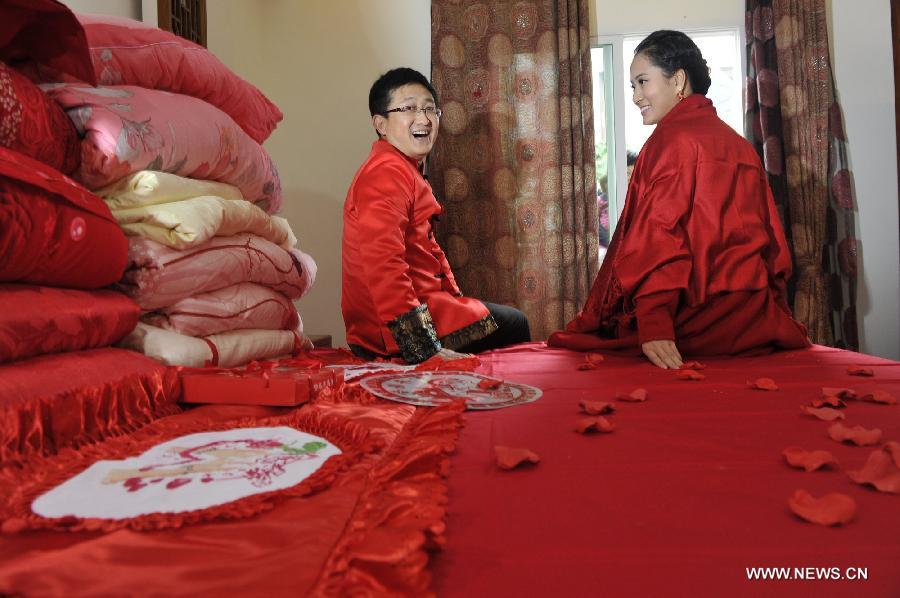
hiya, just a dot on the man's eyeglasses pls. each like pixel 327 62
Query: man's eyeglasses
pixel 428 111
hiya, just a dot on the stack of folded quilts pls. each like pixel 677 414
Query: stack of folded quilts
pixel 61 382
pixel 171 141
pixel 214 275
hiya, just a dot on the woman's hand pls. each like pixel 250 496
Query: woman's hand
pixel 663 354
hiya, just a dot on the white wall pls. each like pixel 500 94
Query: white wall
pixel 616 17
pixel 863 69
pixel 118 8
pixel 321 60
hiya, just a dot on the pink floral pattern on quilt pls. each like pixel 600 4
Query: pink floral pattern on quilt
pixel 242 306
pixel 158 276
pixel 126 129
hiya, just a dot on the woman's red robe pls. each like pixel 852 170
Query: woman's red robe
pixel 699 256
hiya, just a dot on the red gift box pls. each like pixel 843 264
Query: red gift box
pixel 257 384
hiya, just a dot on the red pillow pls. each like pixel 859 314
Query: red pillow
pixel 128 52
pixel 33 124
pixel 53 231
pixel 40 320
pixel 44 33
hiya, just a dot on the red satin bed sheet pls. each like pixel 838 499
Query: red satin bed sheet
pixel 687 492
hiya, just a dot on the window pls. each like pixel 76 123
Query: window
pixel 186 18
pixel 604 139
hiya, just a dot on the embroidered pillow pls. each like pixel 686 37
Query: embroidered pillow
pixel 44 33
pixel 128 52
pixel 127 129
pixel 34 125
pixel 53 231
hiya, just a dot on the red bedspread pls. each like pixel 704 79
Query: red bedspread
pixel 688 491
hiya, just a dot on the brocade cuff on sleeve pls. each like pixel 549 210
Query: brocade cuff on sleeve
pixel 415 335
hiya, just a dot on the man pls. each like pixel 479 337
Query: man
pixel 399 295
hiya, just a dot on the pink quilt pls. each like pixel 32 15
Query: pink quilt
pixel 158 276
pixel 238 307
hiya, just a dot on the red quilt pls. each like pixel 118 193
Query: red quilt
pixel 53 231
pixel 688 491
pixel 362 532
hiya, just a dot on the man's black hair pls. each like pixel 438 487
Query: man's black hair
pixel 380 94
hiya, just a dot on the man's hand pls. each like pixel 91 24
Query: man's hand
pixel 663 354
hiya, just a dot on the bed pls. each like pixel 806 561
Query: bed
pixel 688 491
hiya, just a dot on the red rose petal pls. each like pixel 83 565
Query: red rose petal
pixel 831 509
pixel 856 435
pixel 489 383
pixel 879 396
pixel 689 375
pixel 859 370
pixel 593 424
pixel 879 471
pixel 510 458
pixel 595 358
pixel 692 365
pixel 591 361
pixel 597 407
pixel 829 402
pixel 638 395
pixel 848 394
pixel 826 414
pixel 808 460
pixel 762 384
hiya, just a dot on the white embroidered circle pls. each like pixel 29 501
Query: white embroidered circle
pixel 442 387
pixel 190 472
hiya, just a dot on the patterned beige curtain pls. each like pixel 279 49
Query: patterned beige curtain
pixel 514 162
pixel 795 122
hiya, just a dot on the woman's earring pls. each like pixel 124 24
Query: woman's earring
pixel 680 94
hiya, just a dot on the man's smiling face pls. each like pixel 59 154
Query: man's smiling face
pixel 412 132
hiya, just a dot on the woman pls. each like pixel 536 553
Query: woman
pixel 399 295
pixel 698 263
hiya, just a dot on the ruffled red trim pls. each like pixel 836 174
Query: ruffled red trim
pixel 86 415
pixel 37 477
pixel 399 516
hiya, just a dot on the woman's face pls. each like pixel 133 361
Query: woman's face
pixel 654 93
pixel 411 132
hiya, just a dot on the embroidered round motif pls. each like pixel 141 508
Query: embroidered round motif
pixel 439 388
pixel 77 228
pixel 191 472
